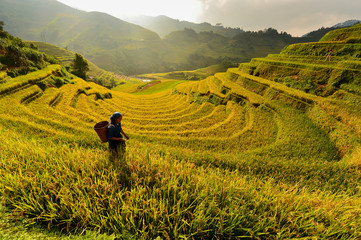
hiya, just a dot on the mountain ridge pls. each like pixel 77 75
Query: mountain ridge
pixel 164 25
pixel 122 47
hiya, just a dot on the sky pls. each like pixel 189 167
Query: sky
pixel 296 17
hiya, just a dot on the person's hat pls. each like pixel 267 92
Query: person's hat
pixel 115 115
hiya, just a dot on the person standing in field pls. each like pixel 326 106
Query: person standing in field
pixel 329 55
pixel 115 138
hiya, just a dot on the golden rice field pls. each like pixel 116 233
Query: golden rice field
pixel 233 156
pixel 253 168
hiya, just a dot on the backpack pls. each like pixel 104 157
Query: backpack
pixel 101 128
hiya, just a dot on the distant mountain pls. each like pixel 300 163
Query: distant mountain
pixel 316 35
pixel 164 25
pixel 107 41
pixel 28 18
pixel 348 23
pixel 122 47
pixel 210 48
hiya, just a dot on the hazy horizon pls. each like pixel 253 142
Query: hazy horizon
pixel 296 17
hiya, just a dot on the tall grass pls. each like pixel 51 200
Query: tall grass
pixel 157 195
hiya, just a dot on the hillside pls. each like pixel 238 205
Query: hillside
pixel 108 42
pixel 95 74
pixel 249 153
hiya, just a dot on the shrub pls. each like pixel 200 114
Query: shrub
pixel 58 82
pixel 108 95
pixel 16 72
pixel 80 66
pixel 98 96
pixel 15 56
pixel 51 59
pixel 34 55
pixel 18 42
pixel 33 46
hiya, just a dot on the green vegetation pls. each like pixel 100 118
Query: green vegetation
pixel 164 25
pixel 256 152
pixel 108 42
pixel 65 56
pixel 17 58
pixel 80 66
pixel 304 66
pixel 157 86
pixel 131 86
pixel 95 74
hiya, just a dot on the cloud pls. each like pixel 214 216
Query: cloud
pixel 296 17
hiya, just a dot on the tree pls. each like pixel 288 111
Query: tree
pixel 2 26
pixel 80 66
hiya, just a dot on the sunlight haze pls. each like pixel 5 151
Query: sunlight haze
pixel 296 17
pixel 184 10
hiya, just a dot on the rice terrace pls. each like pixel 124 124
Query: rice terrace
pixel 266 150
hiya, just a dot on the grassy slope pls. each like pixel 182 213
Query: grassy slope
pixel 169 80
pixel 233 155
pixel 95 73
pixel 159 86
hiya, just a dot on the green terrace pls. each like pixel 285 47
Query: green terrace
pixel 62 54
pixel 96 74
pixel 305 67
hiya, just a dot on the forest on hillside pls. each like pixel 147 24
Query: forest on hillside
pixel 121 47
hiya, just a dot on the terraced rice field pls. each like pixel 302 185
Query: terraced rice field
pixel 95 74
pixel 63 55
pixel 236 155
